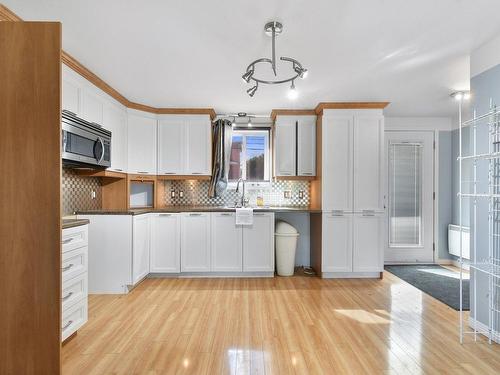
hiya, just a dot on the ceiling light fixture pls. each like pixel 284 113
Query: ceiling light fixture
pixel 273 29
pixel 460 95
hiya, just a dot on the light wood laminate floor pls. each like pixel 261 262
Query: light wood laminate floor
pixel 298 325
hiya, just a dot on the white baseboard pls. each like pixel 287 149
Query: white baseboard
pixel 209 275
pixel 495 336
pixel 350 275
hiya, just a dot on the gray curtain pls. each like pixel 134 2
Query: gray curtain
pixel 222 142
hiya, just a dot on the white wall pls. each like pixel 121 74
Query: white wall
pixel 485 57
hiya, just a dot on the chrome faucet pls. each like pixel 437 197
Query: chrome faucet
pixel 243 201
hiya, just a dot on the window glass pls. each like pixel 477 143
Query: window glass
pixel 250 155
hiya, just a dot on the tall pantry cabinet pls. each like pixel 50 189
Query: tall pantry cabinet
pixel 353 218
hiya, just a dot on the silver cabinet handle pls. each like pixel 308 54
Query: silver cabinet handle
pixel 67 240
pixel 165 215
pixel 286 174
pixel 67 296
pixel 259 214
pixel 192 214
pixel 68 267
pixel 337 213
pixel 368 213
pixel 226 214
pixel 197 173
pixel 67 325
pixel 142 172
pixel 168 172
pixel 118 169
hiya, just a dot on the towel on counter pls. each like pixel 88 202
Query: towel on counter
pixel 244 216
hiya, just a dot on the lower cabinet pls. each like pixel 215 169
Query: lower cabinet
pixel 227 243
pixel 165 254
pixel 140 247
pixel 352 243
pixel 195 242
pixel 258 243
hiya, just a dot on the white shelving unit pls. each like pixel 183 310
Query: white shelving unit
pixel 489 266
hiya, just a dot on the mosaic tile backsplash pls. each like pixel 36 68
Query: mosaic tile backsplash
pixel 77 192
pixel 196 193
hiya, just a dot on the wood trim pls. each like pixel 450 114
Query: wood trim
pixel 315 223
pixel 292 112
pixel 187 111
pixel 349 105
pixel 30 203
pixel 7 15
pixel 114 193
pixel 183 177
pixel 104 173
pixel 315 188
pixel 295 178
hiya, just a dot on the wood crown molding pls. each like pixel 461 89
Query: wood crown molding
pixel 349 105
pixel 292 112
pixel 7 15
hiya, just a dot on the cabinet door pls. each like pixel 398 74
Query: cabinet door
pixel 337 243
pixel 140 250
pixel 285 146
pixel 141 145
pixel 165 243
pixel 258 243
pixel 171 146
pixel 198 152
pixel 115 120
pixel 226 243
pixel 92 106
pixel 368 162
pixel 195 242
pixel 368 243
pixel 306 146
pixel 337 172
pixel 71 93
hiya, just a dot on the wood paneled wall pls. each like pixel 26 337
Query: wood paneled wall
pixel 30 199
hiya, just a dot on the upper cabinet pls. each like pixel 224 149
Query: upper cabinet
pixel 295 146
pixel 115 120
pixel 352 162
pixel 141 143
pixel 92 106
pixel 71 94
pixel 184 145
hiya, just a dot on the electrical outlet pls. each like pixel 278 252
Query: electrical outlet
pixel 287 194
pixel 301 194
pixel 172 193
pixel 93 194
pixel 181 194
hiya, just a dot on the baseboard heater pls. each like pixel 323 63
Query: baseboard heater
pixel 454 241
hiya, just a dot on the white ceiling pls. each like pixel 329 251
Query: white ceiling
pixel 192 53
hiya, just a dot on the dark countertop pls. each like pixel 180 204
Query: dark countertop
pixel 70 223
pixel 177 209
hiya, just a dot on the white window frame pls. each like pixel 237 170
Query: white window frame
pixel 267 159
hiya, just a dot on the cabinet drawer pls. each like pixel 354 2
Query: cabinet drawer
pixel 74 290
pixel 73 318
pixel 74 263
pixel 73 238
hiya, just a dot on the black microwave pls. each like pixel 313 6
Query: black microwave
pixel 84 143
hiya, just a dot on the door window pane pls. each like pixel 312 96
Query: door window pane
pixel 405 190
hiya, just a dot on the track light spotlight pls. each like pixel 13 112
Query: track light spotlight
pixel 251 91
pixel 248 74
pixel 302 72
pixel 460 95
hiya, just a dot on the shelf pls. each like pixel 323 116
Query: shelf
pixel 494 155
pixel 487 268
pixel 100 173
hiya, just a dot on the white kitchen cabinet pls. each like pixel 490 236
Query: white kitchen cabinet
pixel 306 146
pixel 337 242
pixel 171 145
pixel 368 162
pixel 368 242
pixel 71 94
pixel 198 153
pixel 141 247
pixel 227 243
pixel 285 157
pixel 195 242
pixel 115 120
pixel 258 243
pixel 92 106
pixel 165 243
pixel 141 143
pixel 337 176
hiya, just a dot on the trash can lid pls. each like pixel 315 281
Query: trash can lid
pixel 282 227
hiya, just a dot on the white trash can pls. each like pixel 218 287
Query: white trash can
pixel 286 246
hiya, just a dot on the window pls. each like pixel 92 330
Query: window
pixel 250 155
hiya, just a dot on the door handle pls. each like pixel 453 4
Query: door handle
pixel 67 296
pixel 67 240
pixel 67 325
pixel 68 267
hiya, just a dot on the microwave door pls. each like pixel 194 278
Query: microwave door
pixel 99 150
pixel 77 147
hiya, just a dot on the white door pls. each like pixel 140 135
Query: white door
pixel 171 146
pixel 165 243
pixel 140 250
pixel 284 143
pixel 368 243
pixel 258 243
pixel 368 162
pixel 337 242
pixel 337 162
pixel 306 146
pixel 195 242
pixel 198 152
pixel 141 144
pixel 410 180
pixel 115 120
pixel 227 243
